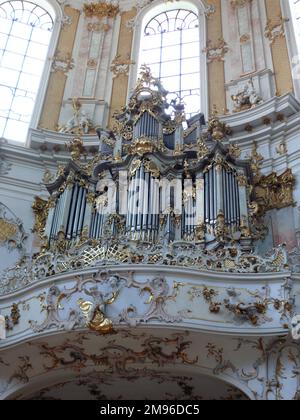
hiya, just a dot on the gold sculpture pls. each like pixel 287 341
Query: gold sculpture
pixel 94 312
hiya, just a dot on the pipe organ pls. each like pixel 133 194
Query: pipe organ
pixel 179 186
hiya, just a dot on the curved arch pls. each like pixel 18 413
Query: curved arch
pixel 139 357
pixel 148 13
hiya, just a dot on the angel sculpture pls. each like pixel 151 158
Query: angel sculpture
pixel 94 312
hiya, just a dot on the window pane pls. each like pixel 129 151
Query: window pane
pixel 6 95
pixel 152 41
pixel 171 38
pixel 22 106
pixel 190 50
pixel 9 77
pixel 37 51
pixel 3 40
pixel 22 57
pixel 172 84
pixel 2 126
pixel 190 81
pixel 190 35
pixel 21 30
pixel 190 65
pixel 41 36
pixel 5 25
pixel 155 69
pixel 17 45
pixel 28 82
pixel 16 130
pixel 152 56
pixel 171 53
pixel 171 68
pixel 12 61
pixel 31 65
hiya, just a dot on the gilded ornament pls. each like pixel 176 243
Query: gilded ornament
pixel 121 66
pixel 94 312
pixel 256 160
pixel 216 52
pixel 275 28
pixel 100 10
pixel 274 191
pixel 221 229
pixel 203 150
pixel 235 151
pixel 151 167
pixel 40 208
pixel 14 318
pixel 217 129
pixel 7 231
pixel 142 146
pixel 76 148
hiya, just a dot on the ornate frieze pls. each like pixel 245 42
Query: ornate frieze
pixel 216 51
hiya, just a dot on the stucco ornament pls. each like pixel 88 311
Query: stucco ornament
pixel 296 327
pixel 12 234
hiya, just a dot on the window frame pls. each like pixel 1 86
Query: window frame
pixel 292 44
pixel 55 11
pixel 154 9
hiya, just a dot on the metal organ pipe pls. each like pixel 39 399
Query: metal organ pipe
pixel 145 206
pixel 72 211
pixel 78 204
pixel 82 213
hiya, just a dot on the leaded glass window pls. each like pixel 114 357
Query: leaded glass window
pixel 295 11
pixel 25 32
pixel 170 46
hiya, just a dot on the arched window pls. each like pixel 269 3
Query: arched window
pixel 295 13
pixel 170 46
pixel 25 33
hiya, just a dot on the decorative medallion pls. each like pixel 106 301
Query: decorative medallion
pixel 12 233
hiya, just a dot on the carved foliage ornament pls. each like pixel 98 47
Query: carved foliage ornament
pixel 100 10
pixel 274 191
pixel 217 51
pixel 62 62
pixel 275 29
pixel 120 66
